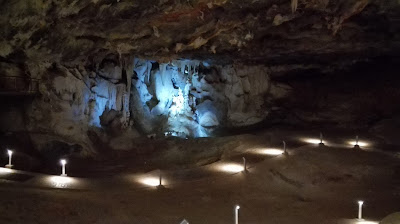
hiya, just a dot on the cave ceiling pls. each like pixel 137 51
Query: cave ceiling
pixel 283 34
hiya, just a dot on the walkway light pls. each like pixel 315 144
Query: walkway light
pixel 321 143
pixel 360 204
pixel 63 162
pixel 284 148
pixel 237 207
pixel 244 164
pixel 160 180
pixel 10 152
pixel 153 179
pixel 356 146
pixel 184 222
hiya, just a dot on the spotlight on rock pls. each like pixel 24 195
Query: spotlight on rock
pixel 9 165
pixel 63 163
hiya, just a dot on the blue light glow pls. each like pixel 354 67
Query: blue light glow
pixel 168 102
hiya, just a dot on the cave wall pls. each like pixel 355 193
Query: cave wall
pixel 69 103
pixel 358 97
pixel 193 98
pixel 94 95
pixel 108 103
pixel 116 99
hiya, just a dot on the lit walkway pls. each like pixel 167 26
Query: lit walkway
pixel 151 180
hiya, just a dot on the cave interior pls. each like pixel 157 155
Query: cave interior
pixel 119 87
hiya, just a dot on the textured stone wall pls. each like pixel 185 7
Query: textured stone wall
pixel 191 98
pixel 116 99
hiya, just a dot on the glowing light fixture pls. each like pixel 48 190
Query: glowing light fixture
pixel 361 144
pixel 184 222
pixel 321 143
pixel 232 168
pixel 63 162
pixel 152 180
pixel 244 164
pixel 284 148
pixel 160 179
pixel 237 207
pixel 360 204
pixel 10 152
pixel 358 143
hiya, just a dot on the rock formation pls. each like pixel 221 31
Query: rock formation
pixel 107 71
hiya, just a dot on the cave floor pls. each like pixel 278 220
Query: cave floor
pixel 312 185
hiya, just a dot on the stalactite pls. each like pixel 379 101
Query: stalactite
pixel 128 66
pixel 163 67
pixel 149 65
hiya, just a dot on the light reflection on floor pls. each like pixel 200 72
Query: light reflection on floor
pixel 60 181
pixel 5 170
pixel 366 222
pixel 150 181
pixel 360 143
pixel 231 167
pixel 313 140
pixel 269 151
